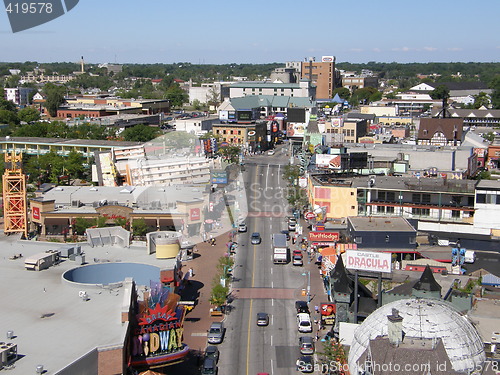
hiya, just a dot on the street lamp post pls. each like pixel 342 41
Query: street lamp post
pixel 308 285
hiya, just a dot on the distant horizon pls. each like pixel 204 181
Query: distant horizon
pixel 225 32
pixel 245 63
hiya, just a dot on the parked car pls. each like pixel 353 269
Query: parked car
pixel 304 323
pixel 306 344
pixel 216 333
pixel 305 364
pixel 270 152
pixel 297 252
pixel 212 351
pixel 301 307
pixel 255 239
pixel 297 260
pixel 242 227
pixel 287 232
pixel 262 319
pixel 292 224
pixel 209 367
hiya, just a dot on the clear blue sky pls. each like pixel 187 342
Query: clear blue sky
pixel 258 31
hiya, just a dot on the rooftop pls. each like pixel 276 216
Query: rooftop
pixel 380 224
pixel 52 324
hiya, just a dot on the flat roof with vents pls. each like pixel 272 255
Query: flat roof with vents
pixel 380 224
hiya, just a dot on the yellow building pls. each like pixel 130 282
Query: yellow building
pixel 337 196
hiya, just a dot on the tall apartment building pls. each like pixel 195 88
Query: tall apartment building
pixel 18 95
pixel 322 74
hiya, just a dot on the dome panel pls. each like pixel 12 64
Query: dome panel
pixel 428 319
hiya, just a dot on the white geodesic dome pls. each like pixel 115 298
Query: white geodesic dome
pixel 428 319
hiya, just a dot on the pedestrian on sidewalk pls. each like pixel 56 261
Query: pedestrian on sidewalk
pixel 191 272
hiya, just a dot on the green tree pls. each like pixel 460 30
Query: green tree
pixel 343 92
pixel 8 117
pixel 176 95
pixel 481 99
pixel 55 97
pixel 81 224
pixel 367 94
pixel 218 294
pixel 489 136
pixel 139 227
pixel 7 105
pixel 495 95
pixel 230 153
pixel 29 115
pixel 139 133
pixel 440 92
pixel 121 222
pixel 73 164
pixel 196 105
pixel 100 221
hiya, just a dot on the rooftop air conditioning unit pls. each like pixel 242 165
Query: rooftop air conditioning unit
pixel 75 204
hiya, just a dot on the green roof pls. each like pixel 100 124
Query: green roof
pixel 265 85
pixel 258 101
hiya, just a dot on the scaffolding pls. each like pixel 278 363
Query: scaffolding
pixel 14 195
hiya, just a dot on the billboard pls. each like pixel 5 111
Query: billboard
pixel 327 58
pixel 327 311
pixel 368 261
pixel 219 177
pixel 296 115
pixel 328 161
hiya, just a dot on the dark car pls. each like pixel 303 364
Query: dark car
pixel 305 364
pixel 262 319
pixel 209 367
pixel 287 232
pixel 301 307
pixel 212 352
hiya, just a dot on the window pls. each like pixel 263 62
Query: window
pixel 426 198
pixel 412 240
pixel 387 238
pixel 390 210
pixel 455 214
pixel 481 198
pixel 415 198
pixel 391 196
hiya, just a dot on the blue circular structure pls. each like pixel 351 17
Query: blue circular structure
pixel 112 273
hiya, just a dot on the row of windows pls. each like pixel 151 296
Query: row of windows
pixel 228 132
pixel 488 198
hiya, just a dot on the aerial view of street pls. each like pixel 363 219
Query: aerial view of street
pixel 224 188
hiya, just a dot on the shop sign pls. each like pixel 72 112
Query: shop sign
pixel 368 261
pixel 36 213
pixel 194 214
pixel 323 236
pixel 159 332
pixel 327 311
pixel 309 215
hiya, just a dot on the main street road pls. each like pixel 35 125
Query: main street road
pixel 261 286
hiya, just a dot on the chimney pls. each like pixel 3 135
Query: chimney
pixel 395 328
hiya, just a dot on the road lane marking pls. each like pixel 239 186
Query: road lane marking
pixel 250 314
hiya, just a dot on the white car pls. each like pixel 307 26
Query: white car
pixel 242 227
pixel 304 323
pixel 270 152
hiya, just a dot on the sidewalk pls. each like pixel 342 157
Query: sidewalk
pixel 204 263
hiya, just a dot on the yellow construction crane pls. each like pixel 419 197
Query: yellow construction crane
pixel 15 211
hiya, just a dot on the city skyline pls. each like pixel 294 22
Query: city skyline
pixel 200 32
